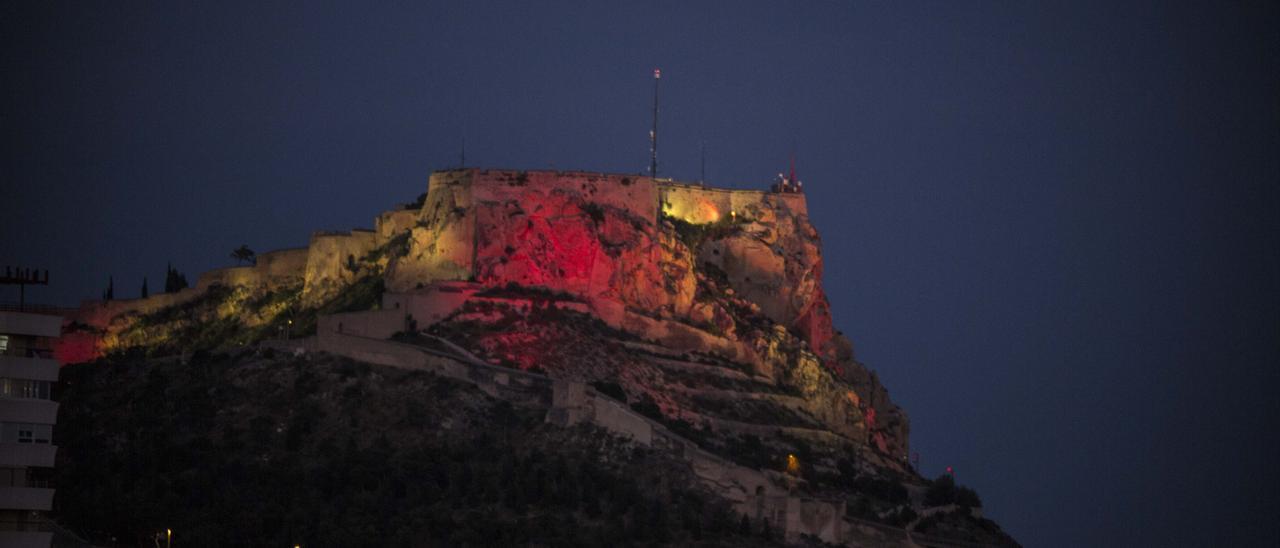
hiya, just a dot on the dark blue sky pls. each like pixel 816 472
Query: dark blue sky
pixel 1050 228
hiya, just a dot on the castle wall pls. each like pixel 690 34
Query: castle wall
pixel 699 204
pixel 329 261
pixel 442 238
pixel 586 234
pixel 550 229
pixel 614 416
pixel 390 223
pixel 635 195
pixel 273 269
pixel 281 267
pixel 228 276
pixel 431 304
pixel 377 324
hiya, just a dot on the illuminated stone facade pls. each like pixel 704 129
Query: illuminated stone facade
pixel 734 273
pixel 610 239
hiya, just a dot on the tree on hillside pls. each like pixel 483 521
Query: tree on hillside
pixel 144 287
pixel 173 280
pixel 417 204
pixel 110 292
pixel 243 254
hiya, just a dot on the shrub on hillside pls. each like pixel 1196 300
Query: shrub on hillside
pixel 611 389
pixel 944 491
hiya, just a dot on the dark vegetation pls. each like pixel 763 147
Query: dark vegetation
pixel 514 290
pixel 260 450
pixel 754 411
pixel 397 246
pixel 611 389
pixel 197 324
pixel 419 339
pixel 243 254
pixel 174 281
pixel 944 491
pixel 693 235
pixel 960 525
pixel 594 211
pixel 645 405
pixel 418 202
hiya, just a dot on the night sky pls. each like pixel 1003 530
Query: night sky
pixel 1051 229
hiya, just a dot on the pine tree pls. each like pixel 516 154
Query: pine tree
pixel 243 254
pixel 174 281
pixel 144 287
pixel 111 289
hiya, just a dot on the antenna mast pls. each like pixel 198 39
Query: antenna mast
pixel 792 175
pixel 653 134
pixel 23 277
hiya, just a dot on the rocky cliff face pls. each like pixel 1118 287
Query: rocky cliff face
pixel 732 273
pixel 732 276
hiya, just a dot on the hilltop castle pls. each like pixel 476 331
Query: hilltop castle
pixel 468 220
pixel 691 267
pixel 717 293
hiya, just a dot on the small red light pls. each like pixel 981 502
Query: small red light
pixel 657 73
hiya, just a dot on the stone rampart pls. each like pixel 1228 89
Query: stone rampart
pixel 634 194
pixel 513 385
pixel 752 492
pixel 390 223
pixel 431 304
pixel 273 269
pixel 332 262
pixel 442 238
pixel 699 204
pixel 377 324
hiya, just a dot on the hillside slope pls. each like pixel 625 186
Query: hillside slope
pixel 262 449
pixel 698 309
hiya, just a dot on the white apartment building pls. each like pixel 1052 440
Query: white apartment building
pixel 27 415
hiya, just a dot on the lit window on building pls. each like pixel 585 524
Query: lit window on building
pixel 24 388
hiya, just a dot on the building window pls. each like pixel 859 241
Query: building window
pixel 16 432
pixel 24 388
pixel 12 477
pixel 4 344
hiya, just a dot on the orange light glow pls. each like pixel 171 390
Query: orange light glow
pixel 793 464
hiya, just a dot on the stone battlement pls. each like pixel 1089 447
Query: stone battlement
pixel 645 196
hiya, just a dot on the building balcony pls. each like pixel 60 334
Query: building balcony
pixel 28 410
pixel 36 369
pixel 16 455
pixel 26 539
pixel 33 325
pixel 26 498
